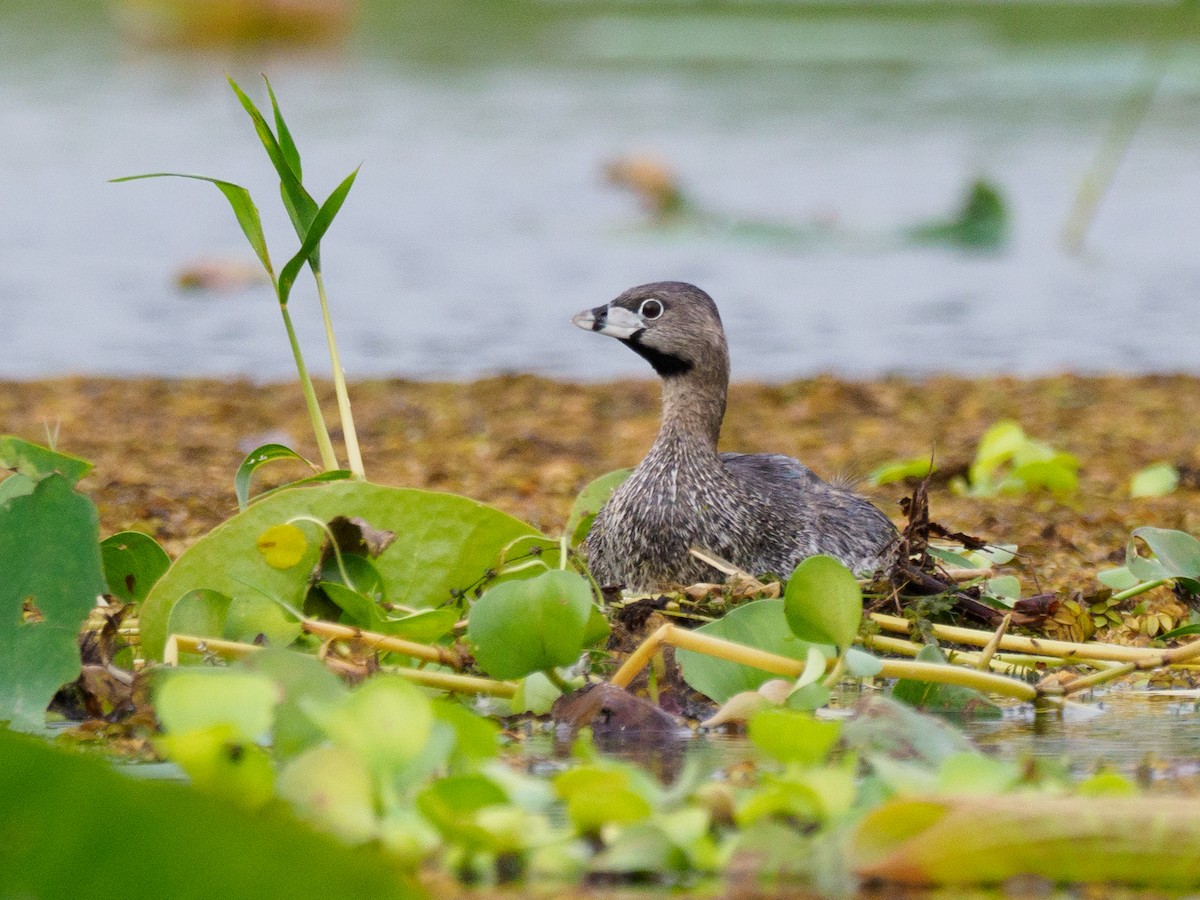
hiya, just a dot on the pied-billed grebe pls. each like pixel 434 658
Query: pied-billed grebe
pixel 763 513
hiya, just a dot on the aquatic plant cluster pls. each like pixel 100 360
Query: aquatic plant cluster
pixel 348 654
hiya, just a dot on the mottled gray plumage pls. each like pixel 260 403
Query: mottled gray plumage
pixel 763 513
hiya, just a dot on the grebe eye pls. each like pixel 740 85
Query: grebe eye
pixel 651 309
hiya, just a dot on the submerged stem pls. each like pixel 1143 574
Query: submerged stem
pixel 339 383
pixel 320 430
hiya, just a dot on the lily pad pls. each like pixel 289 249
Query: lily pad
pixel 445 544
pixel 521 627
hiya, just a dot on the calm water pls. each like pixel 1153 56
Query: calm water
pixel 481 220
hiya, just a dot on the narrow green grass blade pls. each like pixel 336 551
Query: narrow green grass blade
pixel 312 240
pixel 264 454
pixel 291 153
pixel 301 207
pixel 243 208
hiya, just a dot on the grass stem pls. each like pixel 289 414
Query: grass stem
pixel 339 382
pixel 320 430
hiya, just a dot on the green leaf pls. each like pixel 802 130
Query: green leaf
pixel 761 624
pixel 195 699
pixel 790 736
pixel 332 788
pixel 1157 480
pixel 264 454
pixel 589 502
pixel 312 238
pixel 51 576
pixel 1119 579
pixel 900 469
pixel 170 833
pixel 521 627
pixel 200 613
pixel 133 562
pixel 1181 631
pixel 36 462
pixel 823 602
pixel 1177 552
pixel 253 618
pixel 287 146
pixel 943 698
pixel 299 679
pixel 447 544
pixel 15 485
pixel 242 205
pixel 319 478
pixel 299 203
pixel 600 795
pixel 386 721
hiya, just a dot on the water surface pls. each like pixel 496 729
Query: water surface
pixel 481 221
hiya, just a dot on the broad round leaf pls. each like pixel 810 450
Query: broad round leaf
pixel 195 699
pixel 521 627
pixel 50 557
pixel 446 544
pixel 589 502
pixel 133 562
pixel 823 602
pixel 760 624
pixel 1177 551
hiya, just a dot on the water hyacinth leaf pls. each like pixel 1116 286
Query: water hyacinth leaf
pixel 243 209
pixel 597 796
pixel 50 557
pixel 823 602
pixel 258 457
pixel 975 773
pixel 187 700
pixel 255 619
pixel 282 546
pixel 900 469
pixel 219 761
pixel 452 802
pixel 36 462
pixel 761 624
pixel 1119 579
pixel 998 446
pixel 790 736
pixel 535 694
pixel 521 627
pixel 312 239
pixel 943 698
pixel 1157 480
pixel 814 669
pixel 950 558
pixel 588 503
pixel 385 720
pixel 133 562
pixel 51 798
pixel 861 664
pixel 200 613
pixel 331 788
pixel 1177 552
pixel 987 840
pixel 476 739
pixel 1005 588
pixel 446 545
pixel 298 678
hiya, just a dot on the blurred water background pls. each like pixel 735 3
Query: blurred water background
pixel 482 218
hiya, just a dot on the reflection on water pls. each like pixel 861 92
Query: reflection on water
pixel 481 219
pixel 1128 730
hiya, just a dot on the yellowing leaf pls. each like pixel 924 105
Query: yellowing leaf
pixel 282 546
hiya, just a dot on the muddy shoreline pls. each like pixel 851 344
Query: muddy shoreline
pixel 165 451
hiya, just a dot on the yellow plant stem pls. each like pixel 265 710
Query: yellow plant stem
pixel 445 656
pixel 320 429
pixel 446 681
pixel 684 639
pixel 990 650
pixel 1037 646
pixel 1159 659
pixel 902 647
pixel 339 383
